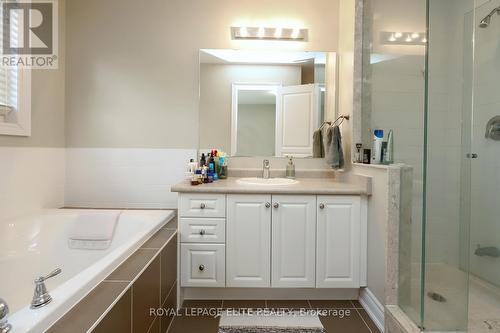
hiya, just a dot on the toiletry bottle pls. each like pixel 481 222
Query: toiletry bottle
pixel 203 160
pixel 378 137
pixel 222 167
pixel 366 156
pixel 290 168
pixel 389 158
pixel 358 158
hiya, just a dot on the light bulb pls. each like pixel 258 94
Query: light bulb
pixel 398 35
pixel 424 40
pixel 392 38
pixel 415 35
pixel 409 39
pixel 261 32
pixel 278 32
pixel 295 33
pixel 243 32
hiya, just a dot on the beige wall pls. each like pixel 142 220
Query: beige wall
pixel 132 70
pixel 216 96
pixel 47 101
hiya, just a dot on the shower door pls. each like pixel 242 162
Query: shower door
pixel 484 254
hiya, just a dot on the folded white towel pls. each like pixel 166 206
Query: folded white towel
pixel 93 230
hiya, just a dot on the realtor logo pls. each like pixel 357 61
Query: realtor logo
pixel 29 34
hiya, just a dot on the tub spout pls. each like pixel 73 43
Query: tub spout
pixel 489 251
pixel 41 296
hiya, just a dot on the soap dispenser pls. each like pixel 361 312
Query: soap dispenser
pixel 290 168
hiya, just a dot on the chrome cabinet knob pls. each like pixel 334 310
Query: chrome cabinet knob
pixel 321 206
pixel 276 205
pixel 202 232
pixel 268 204
pixel 201 268
pixel 202 206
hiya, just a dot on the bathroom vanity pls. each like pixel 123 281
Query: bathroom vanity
pixel 234 233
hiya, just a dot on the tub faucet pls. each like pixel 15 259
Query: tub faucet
pixel 5 327
pixel 266 169
pixel 41 296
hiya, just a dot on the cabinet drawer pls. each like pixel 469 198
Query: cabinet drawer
pixel 202 205
pixel 203 265
pixel 202 230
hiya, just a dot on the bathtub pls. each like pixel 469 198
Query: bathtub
pixel 36 245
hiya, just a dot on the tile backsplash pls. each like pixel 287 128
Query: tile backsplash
pixel 124 178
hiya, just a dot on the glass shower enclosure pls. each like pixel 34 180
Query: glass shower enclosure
pixel 433 69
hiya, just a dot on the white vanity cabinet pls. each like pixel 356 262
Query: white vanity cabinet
pixel 340 240
pixel 272 241
pixel 293 241
pixel 248 256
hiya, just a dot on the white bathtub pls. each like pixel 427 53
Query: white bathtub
pixel 34 246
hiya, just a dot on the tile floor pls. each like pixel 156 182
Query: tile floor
pixel 357 322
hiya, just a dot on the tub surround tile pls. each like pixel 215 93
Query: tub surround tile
pixel 129 270
pixel 146 294
pixel 169 304
pixel 82 316
pixel 119 318
pixel 172 224
pixel 159 239
pixel 168 267
pixel 155 326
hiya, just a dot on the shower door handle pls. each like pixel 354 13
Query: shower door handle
pixel 473 155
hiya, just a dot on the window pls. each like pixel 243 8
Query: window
pixel 15 88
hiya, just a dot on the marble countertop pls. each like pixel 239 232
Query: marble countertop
pixel 319 186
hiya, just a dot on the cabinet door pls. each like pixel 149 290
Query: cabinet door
pixel 248 240
pixel 339 241
pixel 293 241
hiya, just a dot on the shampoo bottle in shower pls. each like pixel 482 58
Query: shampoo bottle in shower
pixel 389 152
pixel 378 137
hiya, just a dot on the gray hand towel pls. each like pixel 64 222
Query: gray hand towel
pixel 318 150
pixel 334 153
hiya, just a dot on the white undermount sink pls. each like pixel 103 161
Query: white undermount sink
pixel 267 182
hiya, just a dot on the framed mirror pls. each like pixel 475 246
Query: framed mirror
pixel 264 103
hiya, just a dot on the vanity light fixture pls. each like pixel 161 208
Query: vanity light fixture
pixel 278 33
pixel 402 38
pixel 243 32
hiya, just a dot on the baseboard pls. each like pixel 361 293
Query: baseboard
pixel 373 307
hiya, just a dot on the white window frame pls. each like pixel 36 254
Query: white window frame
pixel 22 127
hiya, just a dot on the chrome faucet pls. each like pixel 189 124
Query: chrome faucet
pixel 266 169
pixel 41 296
pixel 4 311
